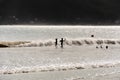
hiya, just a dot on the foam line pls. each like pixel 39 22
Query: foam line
pixel 59 67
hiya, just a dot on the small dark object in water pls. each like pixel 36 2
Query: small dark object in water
pixel 101 46
pixel 96 46
pixel 106 47
pixel 92 35
pixel 3 46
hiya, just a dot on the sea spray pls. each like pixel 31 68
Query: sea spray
pixel 69 42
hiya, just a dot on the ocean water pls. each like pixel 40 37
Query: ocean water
pixel 28 33
pixel 82 58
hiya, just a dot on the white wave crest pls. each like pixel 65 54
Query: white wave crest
pixel 69 42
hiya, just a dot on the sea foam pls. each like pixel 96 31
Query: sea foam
pixel 59 67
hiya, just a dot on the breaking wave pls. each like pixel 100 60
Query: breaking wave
pixel 59 67
pixel 70 42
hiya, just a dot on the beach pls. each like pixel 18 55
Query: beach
pixel 32 54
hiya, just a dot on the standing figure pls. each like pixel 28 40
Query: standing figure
pixel 56 42
pixel 61 42
pixel 106 47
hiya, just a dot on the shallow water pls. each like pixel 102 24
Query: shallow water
pixel 86 74
pixel 60 64
pixel 85 62
pixel 34 33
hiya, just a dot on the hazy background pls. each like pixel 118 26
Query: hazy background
pixel 60 12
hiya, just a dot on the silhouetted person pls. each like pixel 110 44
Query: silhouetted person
pixel 106 47
pixel 92 35
pixel 61 42
pixel 56 42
